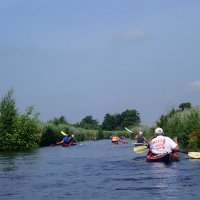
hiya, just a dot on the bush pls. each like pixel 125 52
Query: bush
pixel 17 132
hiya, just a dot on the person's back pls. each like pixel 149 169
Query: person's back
pixel 115 139
pixel 67 140
pixel 140 138
pixel 162 144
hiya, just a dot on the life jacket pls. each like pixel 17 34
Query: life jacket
pixel 115 139
pixel 67 140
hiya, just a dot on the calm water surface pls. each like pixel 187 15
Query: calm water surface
pixel 96 170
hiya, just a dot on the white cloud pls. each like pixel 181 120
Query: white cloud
pixel 195 84
pixel 132 35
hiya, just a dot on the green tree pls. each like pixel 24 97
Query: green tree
pixel 186 105
pixel 162 122
pixel 119 121
pixel 130 118
pixel 17 132
pixel 61 120
pixel 109 122
pixel 8 113
pixel 26 133
pixel 89 123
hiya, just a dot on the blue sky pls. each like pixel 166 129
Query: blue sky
pixel 92 57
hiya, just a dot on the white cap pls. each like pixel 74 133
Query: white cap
pixel 140 133
pixel 158 131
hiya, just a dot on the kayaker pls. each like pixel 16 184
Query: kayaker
pixel 66 140
pixel 73 140
pixel 140 138
pixel 115 139
pixel 162 144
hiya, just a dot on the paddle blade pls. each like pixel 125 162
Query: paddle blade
pixel 63 133
pixel 128 130
pixel 194 154
pixel 195 133
pixel 140 149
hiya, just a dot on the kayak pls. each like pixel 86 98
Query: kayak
pixel 167 157
pixel 139 144
pixel 68 145
pixel 115 142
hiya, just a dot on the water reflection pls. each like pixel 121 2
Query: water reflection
pixel 11 161
pixel 97 170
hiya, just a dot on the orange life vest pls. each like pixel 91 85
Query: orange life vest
pixel 115 138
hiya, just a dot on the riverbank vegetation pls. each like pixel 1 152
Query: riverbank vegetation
pixel 17 131
pixel 181 122
pixel 26 131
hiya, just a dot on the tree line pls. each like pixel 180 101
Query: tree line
pixel 26 131
pixel 111 122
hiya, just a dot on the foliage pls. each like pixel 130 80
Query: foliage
pixel 8 113
pixel 26 133
pixel 49 135
pixel 60 120
pixel 119 121
pixel 99 135
pixel 17 132
pixel 186 105
pixel 130 118
pixel 111 122
pixel 181 124
pixel 88 123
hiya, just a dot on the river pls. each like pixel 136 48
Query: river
pixel 95 170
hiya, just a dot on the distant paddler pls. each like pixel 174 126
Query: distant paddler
pixel 140 139
pixel 115 139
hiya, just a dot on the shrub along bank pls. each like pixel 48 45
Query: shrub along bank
pixel 25 131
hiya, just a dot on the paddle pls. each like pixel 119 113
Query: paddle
pixel 63 133
pixel 195 155
pixel 140 149
pixel 128 130
pixel 135 143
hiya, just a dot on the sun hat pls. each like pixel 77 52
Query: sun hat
pixel 158 131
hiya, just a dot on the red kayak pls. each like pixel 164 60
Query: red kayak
pixel 68 144
pixel 167 157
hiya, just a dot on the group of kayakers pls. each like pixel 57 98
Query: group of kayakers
pixel 160 146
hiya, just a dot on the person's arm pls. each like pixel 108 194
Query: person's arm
pixel 136 137
pixel 177 147
pixel 146 140
pixel 60 142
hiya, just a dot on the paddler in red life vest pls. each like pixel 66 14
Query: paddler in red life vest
pixel 162 144
pixel 140 138
pixel 115 139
